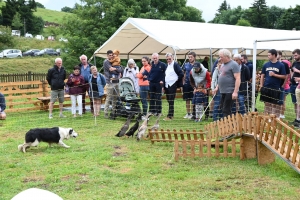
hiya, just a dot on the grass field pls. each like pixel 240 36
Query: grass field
pixel 51 15
pixel 101 166
pixel 24 44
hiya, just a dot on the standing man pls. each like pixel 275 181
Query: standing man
pixel 205 62
pixel 272 74
pixel 294 83
pixel 156 80
pixel 56 77
pixel 187 89
pixel 245 77
pixel 199 74
pixel 112 75
pixel 85 71
pixel 173 80
pixel 2 107
pixel 281 103
pixel 245 61
pixel 228 82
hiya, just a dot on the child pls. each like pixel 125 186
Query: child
pixel 115 62
pixel 199 101
pixel 76 83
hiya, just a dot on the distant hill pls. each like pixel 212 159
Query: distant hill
pixel 48 15
pixel 51 15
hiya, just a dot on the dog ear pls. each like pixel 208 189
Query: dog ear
pixel 70 131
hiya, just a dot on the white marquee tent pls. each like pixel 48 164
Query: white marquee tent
pixel 139 37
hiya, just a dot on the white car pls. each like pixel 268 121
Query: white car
pixel 29 35
pixel 63 40
pixel 39 37
pixel 10 53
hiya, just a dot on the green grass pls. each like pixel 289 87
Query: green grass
pixel 24 44
pixel 51 15
pixel 100 166
pixel 25 64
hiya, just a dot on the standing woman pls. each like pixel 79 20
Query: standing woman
pixel 131 71
pixel 96 91
pixel 144 83
pixel 173 80
pixel 217 112
pixel 76 84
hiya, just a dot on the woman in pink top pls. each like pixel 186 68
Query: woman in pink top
pixel 144 83
pixel 286 89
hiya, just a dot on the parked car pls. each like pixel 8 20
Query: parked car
pixel 10 53
pixel 15 33
pixel 51 38
pixel 30 52
pixel 47 51
pixel 63 40
pixel 29 35
pixel 39 37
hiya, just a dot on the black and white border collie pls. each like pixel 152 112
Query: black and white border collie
pixel 51 135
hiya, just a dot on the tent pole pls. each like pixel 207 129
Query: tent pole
pixel 211 62
pixel 175 56
pixel 254 75
pixel 94 60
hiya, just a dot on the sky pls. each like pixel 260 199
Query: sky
pixel 208 7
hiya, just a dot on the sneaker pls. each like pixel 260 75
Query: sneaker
pixel 190 116
pixel 61 116
pixel 282 116
pixel 143 118
pixel 50 116
pixel 296 123
pixel 186 116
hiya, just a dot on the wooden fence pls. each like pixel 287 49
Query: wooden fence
pixel 18 77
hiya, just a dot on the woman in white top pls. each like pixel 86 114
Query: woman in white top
pixel 131 71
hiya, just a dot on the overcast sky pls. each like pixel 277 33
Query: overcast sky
pixel 208 7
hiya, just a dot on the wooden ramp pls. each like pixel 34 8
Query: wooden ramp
pixel 251 136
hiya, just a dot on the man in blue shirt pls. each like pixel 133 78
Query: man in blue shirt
pixel 156 83
pixel 187 89
pixel 85 71
pixel 270 82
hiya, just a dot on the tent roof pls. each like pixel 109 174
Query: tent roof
pixel 142 37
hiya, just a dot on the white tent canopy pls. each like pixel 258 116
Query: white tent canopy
pixel 140 37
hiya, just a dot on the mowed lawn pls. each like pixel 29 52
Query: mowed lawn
pixel 99 165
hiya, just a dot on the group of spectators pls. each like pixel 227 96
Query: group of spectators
pixel 229 82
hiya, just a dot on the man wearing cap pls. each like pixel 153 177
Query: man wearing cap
pixel 199 74
pixel 228 82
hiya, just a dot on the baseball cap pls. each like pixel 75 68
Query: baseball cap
pixel 196 65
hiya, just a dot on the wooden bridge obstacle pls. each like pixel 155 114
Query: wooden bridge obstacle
pixel 248 136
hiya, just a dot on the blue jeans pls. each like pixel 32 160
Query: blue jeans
pixel 292 91
pixel 217 112
pixel 241 101
pixel 144 95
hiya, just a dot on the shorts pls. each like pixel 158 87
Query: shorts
pixel 188 92
pixel 281 98
pixel 297 94
pixel 60 94
pixel 270 95
pixel 292 91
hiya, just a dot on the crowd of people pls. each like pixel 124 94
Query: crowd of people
pixel 229 83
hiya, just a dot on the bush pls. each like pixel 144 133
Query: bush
pixel 6 39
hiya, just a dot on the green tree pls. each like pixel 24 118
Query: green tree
pixel 290 19
pixel 6 39
pixel 17 22
pixel 231 16
pixel 96 20
pixel 67 9
pixel 25 8
pixel 243 22
pixel 257 14
pixel 39 5
pixel 223 6
pixel 274 15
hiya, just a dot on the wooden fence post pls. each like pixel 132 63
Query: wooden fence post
pixel 44 86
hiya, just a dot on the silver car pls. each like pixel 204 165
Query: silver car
pixel 10 53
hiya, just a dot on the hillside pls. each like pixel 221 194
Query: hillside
pixel 51 15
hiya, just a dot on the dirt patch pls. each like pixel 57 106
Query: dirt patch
pixel 32 179
pixel 120 151
pixel 117 147
pixel 65 178
pixel 83 179
pixel 116 154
